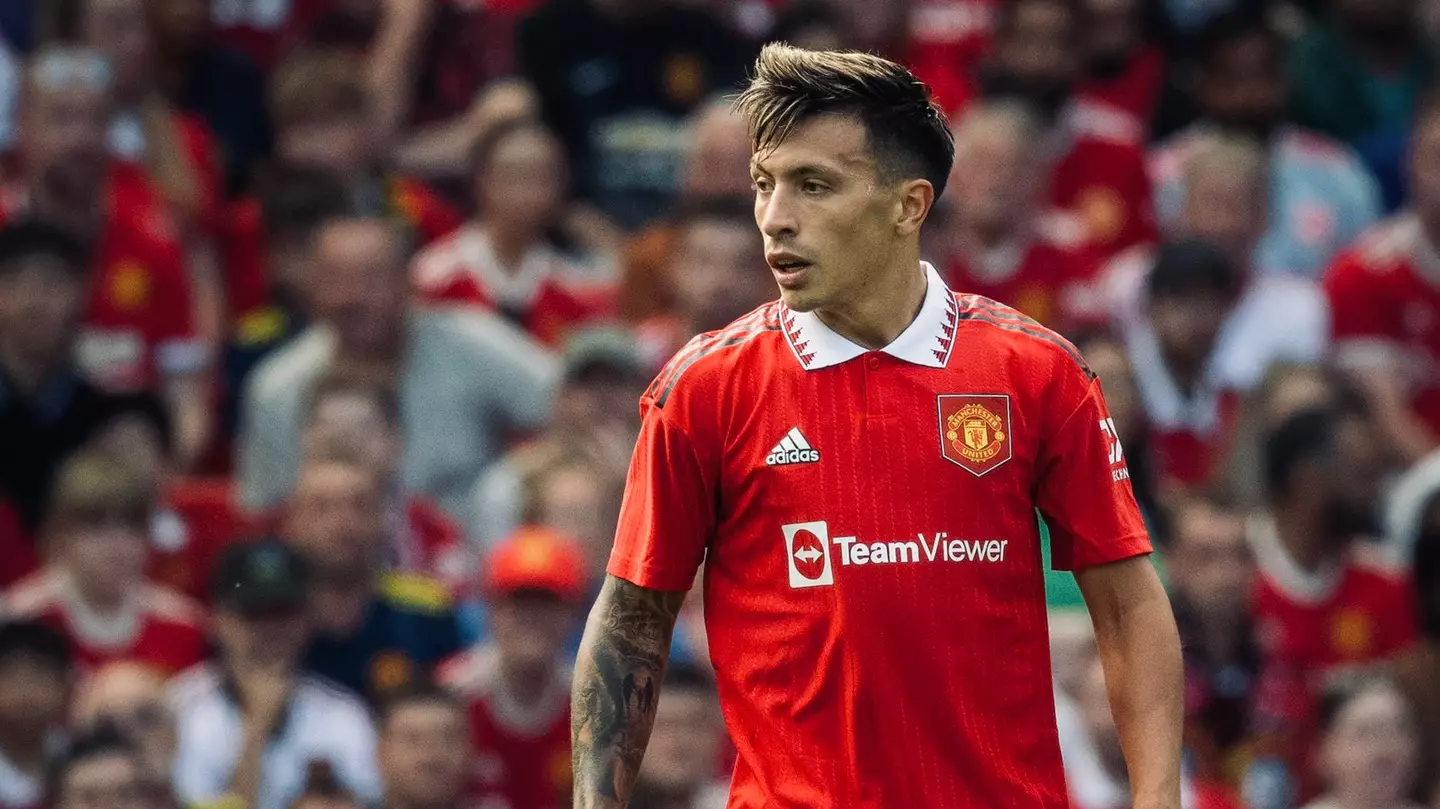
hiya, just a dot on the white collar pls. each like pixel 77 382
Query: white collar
pixel 926 341
pixel 1276 565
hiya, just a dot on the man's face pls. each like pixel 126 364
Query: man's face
pixel 354 423
pixel 1113 33
pixel 719 272
pixel 1355 469
pixel 40 307
pixel 106 555
pixel 1212 567
pixel 1244 86
pixel 120 31
pixel 1109 362
pixel 424 748
pixel 1038 56
pixel 1188 326
pixel 995 179
pixel 32 694
pixel 336 518
pixel 530 629
pixel 575 502
pixel 132 698
pixel 62 139
pixel 103 782
pixel 274 641
pixel 1371 752
pixel 523 185
pixel 684 743
pixel 828 218
pixel 343 143
pixel 1228 210
pixel 358 285
pixel 719 166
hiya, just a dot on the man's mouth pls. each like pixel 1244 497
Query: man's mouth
pixel 789 268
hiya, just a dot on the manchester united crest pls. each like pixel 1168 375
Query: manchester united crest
pixel 975 430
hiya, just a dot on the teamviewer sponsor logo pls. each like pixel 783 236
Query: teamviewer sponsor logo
pixel 792 449
pixel 807 546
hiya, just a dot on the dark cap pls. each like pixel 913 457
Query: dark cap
pixel 603 353
pixel 261 577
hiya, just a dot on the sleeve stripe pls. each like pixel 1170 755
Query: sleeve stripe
pixel 704 351
pixel 1018 323
pixel 704 344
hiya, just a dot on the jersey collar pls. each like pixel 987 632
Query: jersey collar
pixel 926 341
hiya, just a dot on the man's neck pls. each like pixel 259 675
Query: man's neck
pixel 525 685
pixel 1221 636
pixel 509 246
pixel 28 374
pixel 1302 535
pixel 83 217
pixel 398 802
pixel 875 319
pixel 340 610
pixel 1186 374
pixel 382 363
pixel 24 750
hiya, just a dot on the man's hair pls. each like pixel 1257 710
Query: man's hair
pixel 1344 690
pixel 420 692
pixel 103 741
pixel 483 151
pixel 31 238
pixel 342 382
pixel 318 84
pixel 1187 268
pixel 296 200
pixel 96 484
pixel 1232 27
pixel 35 640
pixel 1301 438
pixel 1227 153
pixel 907 131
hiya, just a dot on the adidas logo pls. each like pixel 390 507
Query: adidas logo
pixel 792 449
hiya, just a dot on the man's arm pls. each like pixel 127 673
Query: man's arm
pixel 1140 650
pixel 617 685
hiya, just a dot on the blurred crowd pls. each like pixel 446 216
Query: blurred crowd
pixel 323 324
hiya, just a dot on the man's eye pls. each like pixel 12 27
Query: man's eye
pixel 762 185
pixel 814 187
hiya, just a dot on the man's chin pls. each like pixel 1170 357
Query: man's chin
pixel 799 300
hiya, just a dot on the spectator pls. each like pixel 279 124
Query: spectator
pixel 644 67
pixel 94 588
pixel 139 330
pixel 1418 671
pixel 1324 603
pixel 208 80
pixel 1107 786
pixel 47 411
pixel 1123 71
pixel 1000 244
pixel 679 770
pixel 1106 355
pixel 716 271
pixel 1359 76
pixel 1405 510
pixel 594 429
pixel 373 631
pixel 323 790
pixel 1190 293
pixel 466 381
pixel 508 258
pixel 100 771
pixel 424 749
pixel 356 419
pixel 1288 388
pixel 1212 575
pixel 1387 306
pixel 35 683
pixel 130 698
pixel 324 118
pixel 1099 175
pixel 1320 197
pixel 232 743
pixel 517 686
pixel 1369 754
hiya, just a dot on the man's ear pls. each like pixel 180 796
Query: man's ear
pixel 917 197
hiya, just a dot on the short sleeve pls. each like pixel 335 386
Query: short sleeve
pixel 1355 310
pixel 1084 490
pixel 668 513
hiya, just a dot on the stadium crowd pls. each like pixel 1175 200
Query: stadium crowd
pixel 323 323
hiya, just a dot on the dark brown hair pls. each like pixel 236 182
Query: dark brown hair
pixel 907 130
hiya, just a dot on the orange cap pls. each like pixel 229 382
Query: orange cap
pixel 536 558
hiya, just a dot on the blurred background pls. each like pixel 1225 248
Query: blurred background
pixel 323 324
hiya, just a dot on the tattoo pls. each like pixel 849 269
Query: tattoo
pixel 617 683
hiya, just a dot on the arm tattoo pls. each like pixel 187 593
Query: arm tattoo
pixel 617 683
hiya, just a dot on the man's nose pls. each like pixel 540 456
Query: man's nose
pixel 777 216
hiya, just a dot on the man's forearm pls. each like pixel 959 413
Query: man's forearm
pixel 1140 650
pixel 617 684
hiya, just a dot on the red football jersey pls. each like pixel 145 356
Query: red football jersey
pixel 159 627
pixel 549 295
pixel 141 319
pixel 877 640
pixel 1103 181
pixel 521 753
pixel 1050 279
pixel 1385 307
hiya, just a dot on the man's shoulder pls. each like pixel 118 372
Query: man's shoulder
pixel 287 372
pixel 194 688
pixel 476 336
pixel 708 358
pixel 985 325
pixel 1382 250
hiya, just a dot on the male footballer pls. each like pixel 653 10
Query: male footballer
pixel 859 465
